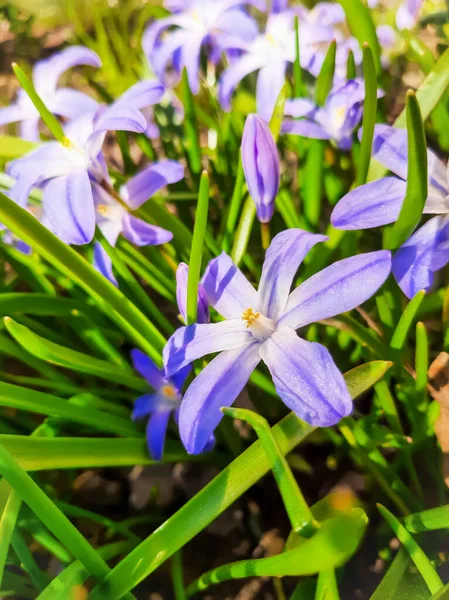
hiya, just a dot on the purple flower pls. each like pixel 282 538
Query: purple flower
pixel 66 171
pixel 379 203
pixel 64 102
pixel 260 325
pixel 269 54
pixel 182 275
pixel 408 13
pixel 114 219
pixel 160 404
pixel 261 166
pixel 103 263
pixel 197 22
pixel 335 121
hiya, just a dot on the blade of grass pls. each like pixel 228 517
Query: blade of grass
pixel 406 321
pixel 362 27
pixel 369 115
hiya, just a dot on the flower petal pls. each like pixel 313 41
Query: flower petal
pixel 336 289
pixel 147 369
pixel 69 208
pixel 282 259
pixel 144 405
pixel 103 263
pixel 216 386
pixel 306 378
pixel 195 341
pixel 227 289
pixel 305 128
pixel 141 94
pixel 182 274
pixel 179 378
pixel 145 184
pixel 233 75
pixel 425 252
pixel 156 433
pixel 371 205
pixel 72 104
pixel 407 14
pixel 143 234
pixel 390 149
pixel 299 107
pixel 190 59
pixel 14 113
pixel 270 81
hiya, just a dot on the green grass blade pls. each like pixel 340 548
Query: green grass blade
pixel 49 119
pixel 299 86
pixel 369 115
pixel 399 583
pixel 14 147
pixel 421 358
pixel 362 27
pixel 7 525
pixel 406 321
pixel 190 128
pixel 71 359
pixel 325 79
pixel 108 298
pixel 417 555
pixel 417 184
pixel 243 233
pixel 27 562
pixel 277 117
pixel 196 252
pixel 212 500
pixel 428 520
pixel 234 206
pixel 327 586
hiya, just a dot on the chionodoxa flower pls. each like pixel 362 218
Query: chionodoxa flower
pixel 261 325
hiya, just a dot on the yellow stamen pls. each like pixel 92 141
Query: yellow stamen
pixel 170 392
pixel 249 317
pixel 103 209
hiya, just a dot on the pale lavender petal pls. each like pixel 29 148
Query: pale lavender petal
pixel 282 259
pixel 233 75
pixel 261 166
pixel 14 113
pixel 227 289
pixel 47 72
pixel 407 14
pixel 151 36
pixel 113 118
pixel 156 432
pixel 342 286
pixel 142 94
pixel 148 182
pixel 386 35
pixel 390 149
pixel 29 129
pixel 144 234
pixel 299 107
pixel 279 5
pixel 144 406
pixel 425 252
pixel 237 24
pixel 371 205
pixel 147 369
pixel 306 378
pixel 169 50
pixel 305 128
pixel 270 81
pixel 103 263
pixel 69 208
pixel 181 296
pixel 195 341
pixel 217 385
pixel 190 59
pixel 72 104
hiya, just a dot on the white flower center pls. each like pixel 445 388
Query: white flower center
pixel 260 326
pixel 170 393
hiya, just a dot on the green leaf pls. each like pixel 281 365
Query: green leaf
pixel 325 79
pixel 243 232
pixel 399 583
pixel 39 454
pixel 14 147
pixel 277 117
pixel 362 27
pixel 417 555
pixel 210 502
pixel 417 184
pixel 369 115
pixel 313 182
pixel 428 520
pixel 330 547
pixel 44 404
pixel 49 119
pixel 327 586
pixel 51 516
pixel 405 322
pixel 421 358
pixel 190 128
pixel 234 206
pixel 44 305
pixel 428 95
pixel 196 252
pixel 107 297
pixel 71 359
pixel 7 526
pixel 299 85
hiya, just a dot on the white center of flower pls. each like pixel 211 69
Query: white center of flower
pixel 170 393
pixel 260 326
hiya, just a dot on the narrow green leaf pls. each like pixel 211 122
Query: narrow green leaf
pixel 190 128
pixel 243 232
pixel 351 69
pixel 107 297
pixel 417 185
pixel 362 27
pixel 299 86
pixel 400 583
pixel 313 181
pixel 44 404
pixel 177 576
pixel 211 501
pixel 51 516
pixel 421 358
pixel 277 117
pixel 7 525
pixel 44 305
pixel 405 322
pixel 325 79
pixel 327 588
pixel 234 207
pixel 27 562
pixel 14 147
pixel 417 555
pixel 49 119
pixel 369 115
pixel 71 359
pixel 428 520
pixel 299 513
pixel 196 252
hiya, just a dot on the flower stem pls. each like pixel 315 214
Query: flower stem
pixel 266 235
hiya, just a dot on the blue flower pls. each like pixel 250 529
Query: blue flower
pixel 261 325
pixel 379 203
pixel 64 102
